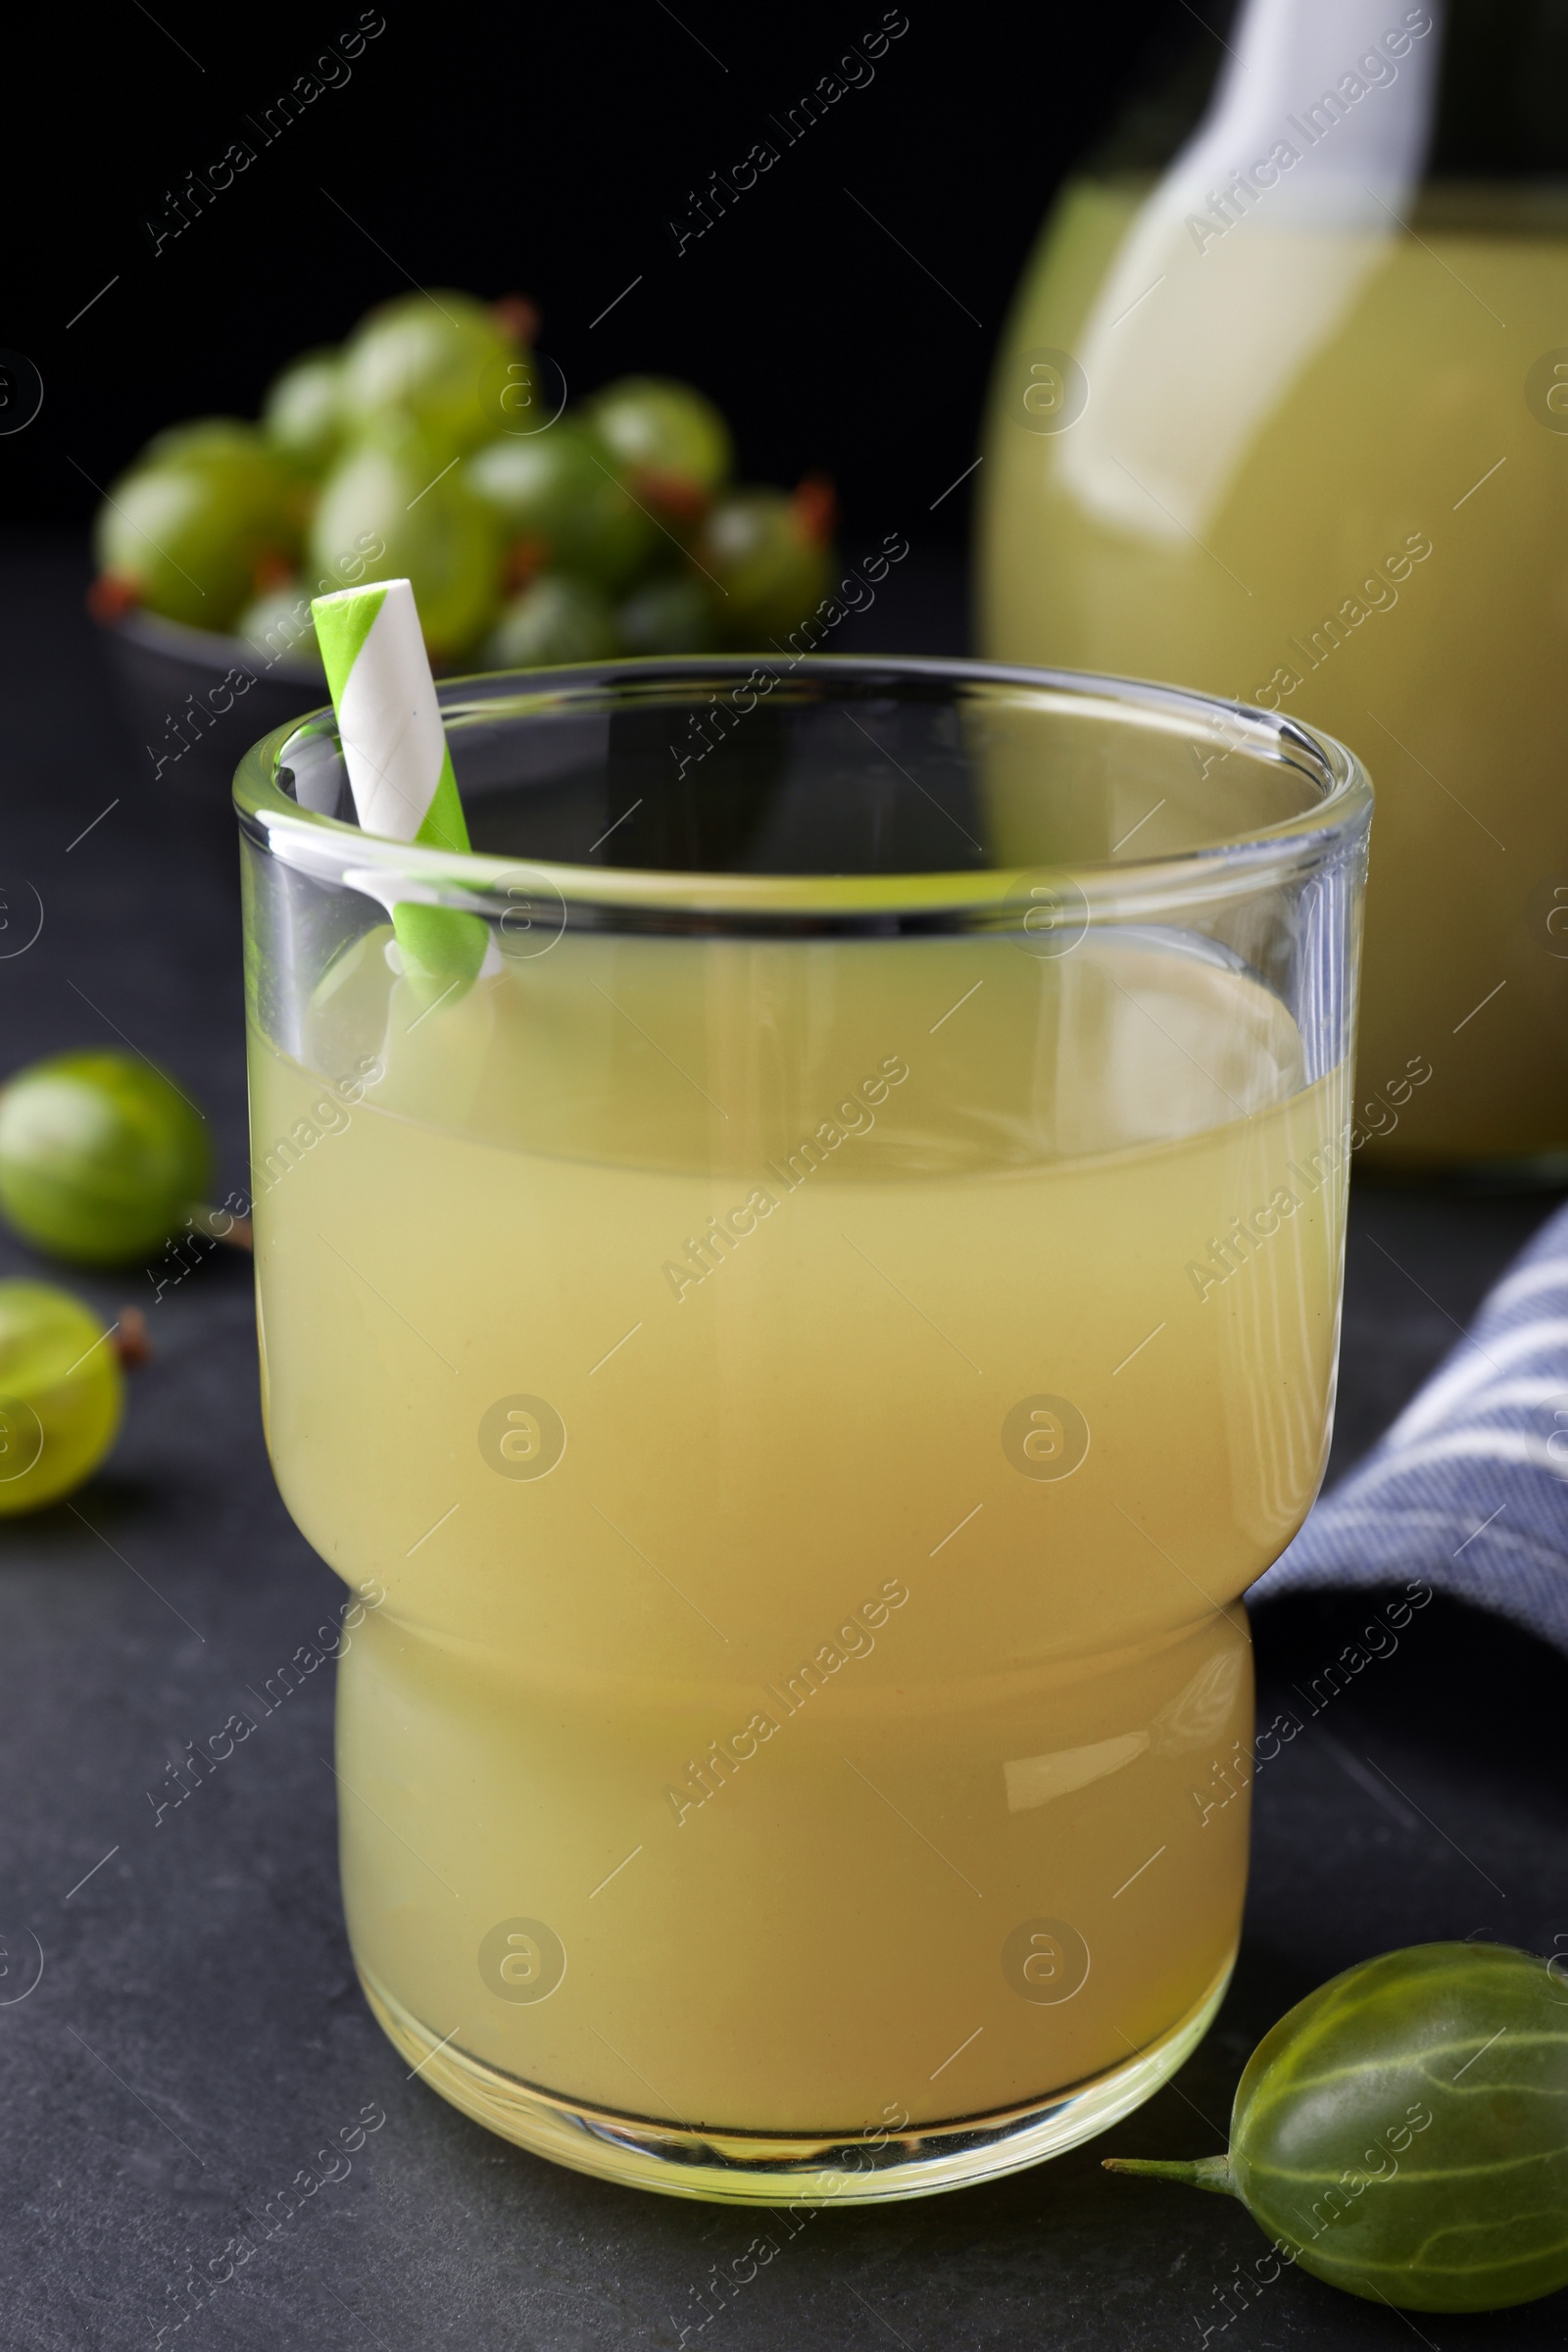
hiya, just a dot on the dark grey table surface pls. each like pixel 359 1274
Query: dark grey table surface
pixel 196 2032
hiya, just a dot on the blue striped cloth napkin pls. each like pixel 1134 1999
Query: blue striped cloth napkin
pixel 1469 1491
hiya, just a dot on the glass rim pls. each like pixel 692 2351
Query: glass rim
pixel 332 851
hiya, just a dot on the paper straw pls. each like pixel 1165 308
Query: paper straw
pixel 399 762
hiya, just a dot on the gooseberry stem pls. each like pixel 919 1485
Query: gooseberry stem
pixel 815 503
pixel 517 316
pixel 110 599
pixel 1198 2172
pixel 219 1225
pixel 131 1342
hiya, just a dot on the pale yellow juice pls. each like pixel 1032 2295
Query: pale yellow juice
pixel 812 1408
pixel 1356 511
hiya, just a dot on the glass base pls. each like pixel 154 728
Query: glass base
pixel 770 2168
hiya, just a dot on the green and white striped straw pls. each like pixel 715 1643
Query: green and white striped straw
pixel 399 764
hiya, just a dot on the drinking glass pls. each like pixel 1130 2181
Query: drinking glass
pixel 797 1363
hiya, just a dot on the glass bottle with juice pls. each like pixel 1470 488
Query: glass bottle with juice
pixel 1286 420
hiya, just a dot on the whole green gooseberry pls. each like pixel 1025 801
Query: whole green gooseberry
pixel 430 357
pixel 558 620
pixel 1403 2132
pixel 206 509
pixel 674 614
pixel 667 437
pixel 279 626
pixel 302 413
pixel 767 556
pixel 396 490
pixel 100 1157
pixel 61 1394
pixel 225 442
pixel 560 498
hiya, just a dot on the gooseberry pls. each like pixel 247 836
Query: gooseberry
pixel 280 627
pixel 302 415
pixel 556 619
pixel 395 490
pixel 559 496
pixel 188 529
pixel 672 613
pixel 428 357
pixel 61 1394
pixel 670 440
pixel 769 558
pixel 101 1157
pixel 1403 2132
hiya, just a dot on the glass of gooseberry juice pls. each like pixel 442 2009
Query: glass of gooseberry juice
pixel 813 1343
pixel 1321 465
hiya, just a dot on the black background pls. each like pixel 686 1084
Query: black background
pixel 546 151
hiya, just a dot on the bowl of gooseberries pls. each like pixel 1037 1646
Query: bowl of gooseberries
pixel 434 445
